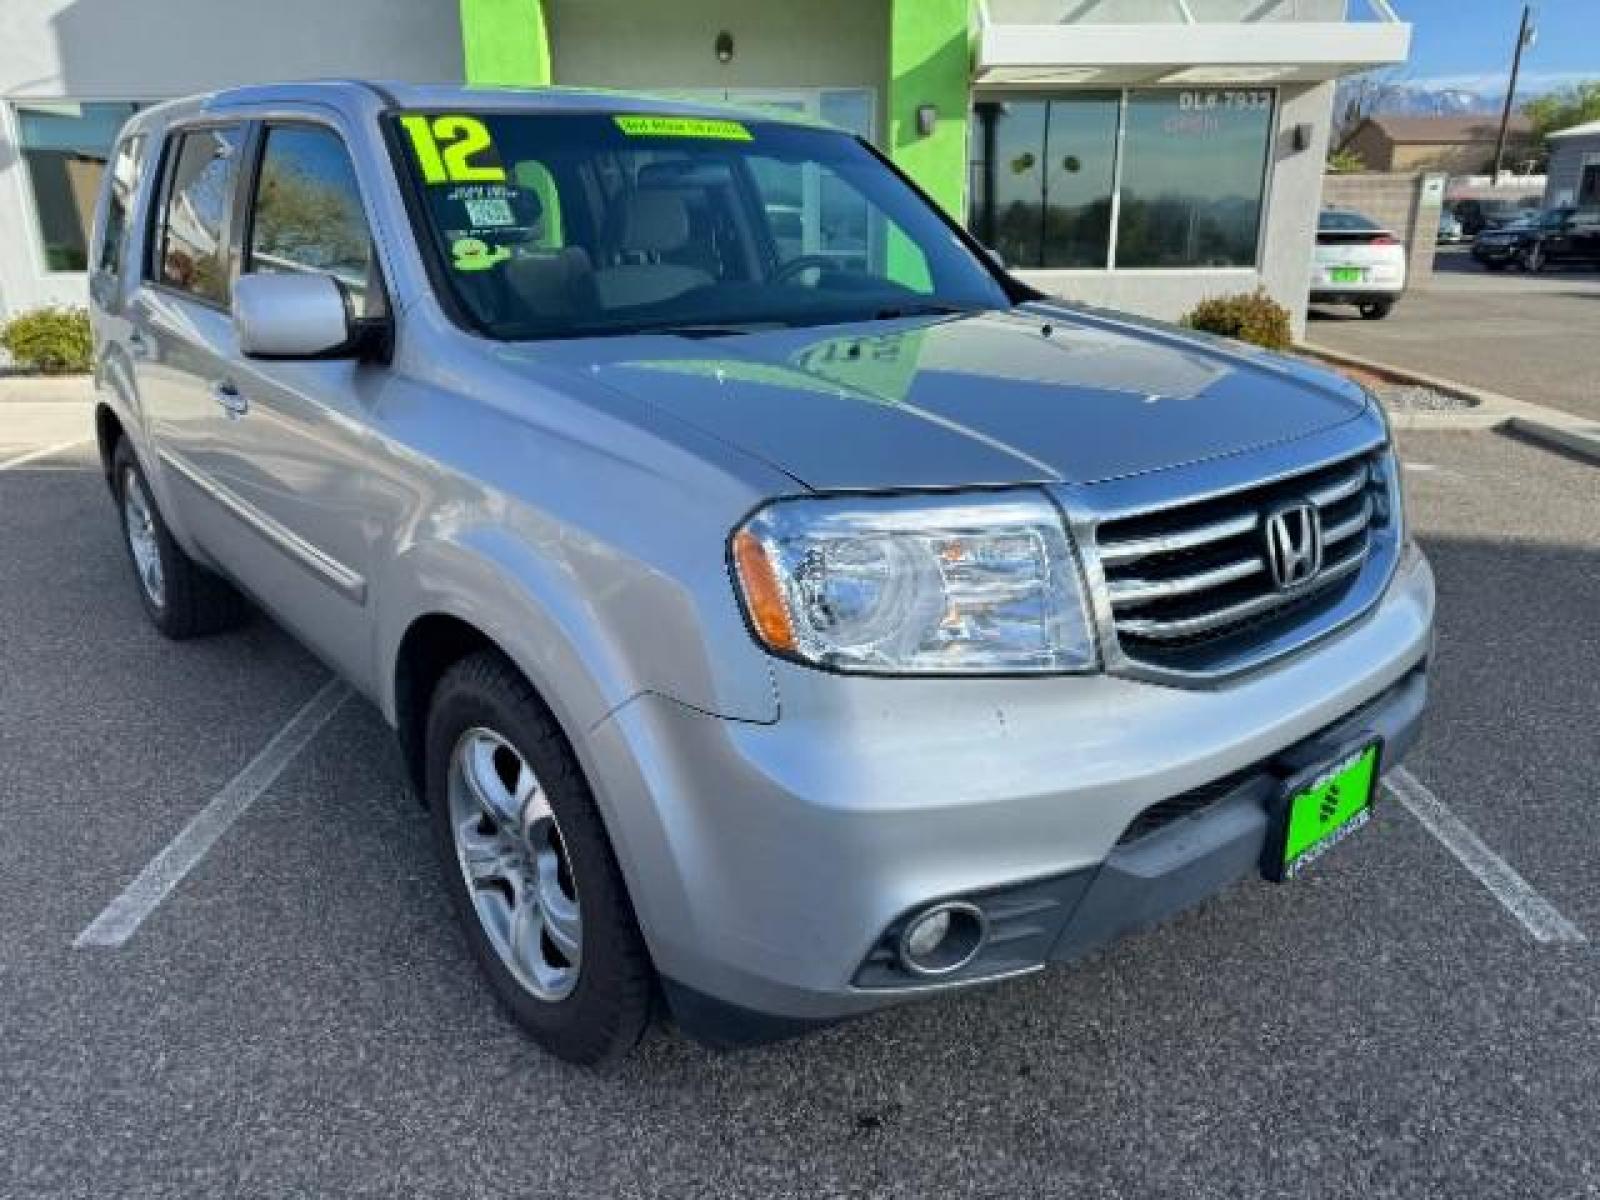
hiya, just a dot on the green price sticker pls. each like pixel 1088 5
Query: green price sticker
pixel 684 127
pixel 453 149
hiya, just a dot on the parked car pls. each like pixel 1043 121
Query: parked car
pixel 1557 235
pixel 1479 213
pixel 1450 231
pixel 1357 261
pixel 775 639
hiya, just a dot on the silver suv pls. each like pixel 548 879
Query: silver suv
pixel 782 611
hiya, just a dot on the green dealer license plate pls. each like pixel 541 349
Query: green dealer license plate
pixel 1319 810
pixel 1346 274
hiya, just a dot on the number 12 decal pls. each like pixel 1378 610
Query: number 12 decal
pixel 445 147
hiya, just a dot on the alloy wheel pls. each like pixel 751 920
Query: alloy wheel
pixel 515 863
pixel 138 520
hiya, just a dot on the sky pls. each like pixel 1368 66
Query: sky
pixel 1468 43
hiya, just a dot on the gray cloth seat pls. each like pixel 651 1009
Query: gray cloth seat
pixel 554 283
pixel 650 224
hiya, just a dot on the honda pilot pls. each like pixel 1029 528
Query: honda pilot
pixel 783 612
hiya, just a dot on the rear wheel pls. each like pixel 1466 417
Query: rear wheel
pixel 1375 310
pixel 530 868
pixel 181 598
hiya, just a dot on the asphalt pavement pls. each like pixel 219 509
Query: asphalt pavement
pixel 1532 337
pixel 300 1016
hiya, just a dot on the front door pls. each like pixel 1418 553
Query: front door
pixel 298 457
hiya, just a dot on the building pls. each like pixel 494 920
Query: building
pixel 1573 176
pixel 1454 145
pixel 1133 153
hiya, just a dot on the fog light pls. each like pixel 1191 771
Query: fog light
pixel 942 939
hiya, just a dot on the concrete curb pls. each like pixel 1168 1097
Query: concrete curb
pixel 1547 426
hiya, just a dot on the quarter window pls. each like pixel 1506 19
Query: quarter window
pixel 307 215
pixel 125 170
pixel 193 255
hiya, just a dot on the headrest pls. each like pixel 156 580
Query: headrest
pixel 653 222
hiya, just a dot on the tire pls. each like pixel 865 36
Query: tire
pixel 1376 310
pixel 181 598
pixel 548 919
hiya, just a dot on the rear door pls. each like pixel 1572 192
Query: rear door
pixel 183 344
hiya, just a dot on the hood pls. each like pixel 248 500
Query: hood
pixel 988 399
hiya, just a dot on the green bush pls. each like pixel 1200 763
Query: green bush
pixel 1253 317
pixel 54 340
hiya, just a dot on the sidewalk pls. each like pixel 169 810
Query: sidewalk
pixel 43 412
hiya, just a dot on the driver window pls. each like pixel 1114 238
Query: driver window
pixel 307 214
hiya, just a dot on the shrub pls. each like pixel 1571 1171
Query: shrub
pixel 1253 317
pixel 54 340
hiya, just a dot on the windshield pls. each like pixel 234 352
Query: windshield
pixel 565 225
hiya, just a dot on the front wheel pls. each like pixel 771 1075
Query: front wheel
pixel 530 868
pixel 1376 310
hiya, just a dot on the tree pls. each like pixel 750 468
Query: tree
pixel 1564 108
pixel 1345 162
pixel 1361 97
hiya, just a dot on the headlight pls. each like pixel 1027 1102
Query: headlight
pixel 916 584
pixel 1391 473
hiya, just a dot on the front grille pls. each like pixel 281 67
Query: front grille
pixel 1191 584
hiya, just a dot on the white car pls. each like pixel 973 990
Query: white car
pixel 1357 261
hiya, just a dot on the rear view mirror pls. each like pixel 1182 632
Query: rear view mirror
pixel 292 316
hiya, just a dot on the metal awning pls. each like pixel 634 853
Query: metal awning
pixel 1215 42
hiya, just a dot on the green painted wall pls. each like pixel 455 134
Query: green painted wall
pixel 505 42
pixel 930 62
pixel 930 59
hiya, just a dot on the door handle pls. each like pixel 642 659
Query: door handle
pixel 231 399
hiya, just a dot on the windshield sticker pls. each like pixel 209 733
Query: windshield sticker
pixel 453 149
pixel 684 127
pixel 474 254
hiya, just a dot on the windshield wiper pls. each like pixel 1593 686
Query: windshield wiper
pixel 896 311
pixel 707 329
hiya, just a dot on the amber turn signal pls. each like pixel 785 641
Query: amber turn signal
pixel 763 597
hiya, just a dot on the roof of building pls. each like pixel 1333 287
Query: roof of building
pixel 1463 131
pixel 1586 129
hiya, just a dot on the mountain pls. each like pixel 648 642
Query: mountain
pixel 1408 100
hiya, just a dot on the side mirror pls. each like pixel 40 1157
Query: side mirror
pixel 293 316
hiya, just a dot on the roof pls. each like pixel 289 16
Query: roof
pixel 1464 131
pixel 1588 128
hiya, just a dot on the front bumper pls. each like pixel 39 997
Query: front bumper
pixel 768 862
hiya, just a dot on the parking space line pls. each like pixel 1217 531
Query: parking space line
pixel 43 452
pixel 1538 916
pixel 123 916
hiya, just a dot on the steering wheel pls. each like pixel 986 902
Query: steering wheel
pixel 805 262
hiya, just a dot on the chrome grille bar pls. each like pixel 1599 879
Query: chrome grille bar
pixel 1232 614
pixel 1181 578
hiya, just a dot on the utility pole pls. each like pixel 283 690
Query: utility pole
pixel 1525 37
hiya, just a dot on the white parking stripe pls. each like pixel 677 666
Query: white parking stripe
pixel 1536 913
pixel 123 916
pixel 45 452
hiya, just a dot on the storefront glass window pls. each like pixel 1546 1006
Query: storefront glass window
pixel 1047 189
pixel 1193 174
pixel 1043 178
pixel 65 146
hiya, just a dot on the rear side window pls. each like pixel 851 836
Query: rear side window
pixel 307 216
pixel 193 255
pixel 122 183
